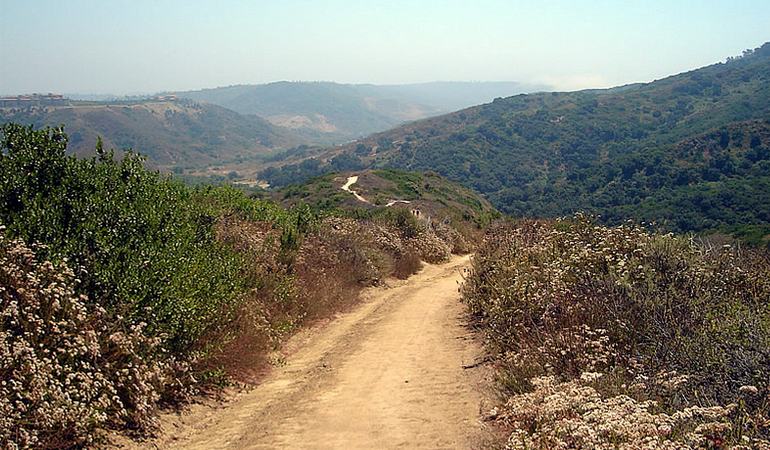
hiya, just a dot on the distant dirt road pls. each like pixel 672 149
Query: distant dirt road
pixel 388 374
pixel 350 182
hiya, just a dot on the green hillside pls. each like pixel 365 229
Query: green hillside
pixel 170 133
pixel 689 150
pixel 432 195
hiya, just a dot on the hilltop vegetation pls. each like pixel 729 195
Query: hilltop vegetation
pixel 172 134
pixel 122 290
pixel 430 194
pixel 690 151
pixel 623 338
pixel 335 113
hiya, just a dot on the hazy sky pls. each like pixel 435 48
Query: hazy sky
pixel 122 46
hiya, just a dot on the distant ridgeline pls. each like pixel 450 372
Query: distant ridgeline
pixel 243 129
pixel 331 113
pixel 691 151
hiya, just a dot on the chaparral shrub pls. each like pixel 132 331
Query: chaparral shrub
pixel 621 337
pixel 139 244
pixel 65 366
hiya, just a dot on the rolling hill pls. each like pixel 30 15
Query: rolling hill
pixel 431 194
pixel 171 134
pixel 334 113
pixel 690 150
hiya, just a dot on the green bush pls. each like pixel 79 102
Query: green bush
pixel 139 243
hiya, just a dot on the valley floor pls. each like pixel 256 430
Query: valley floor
pixel 390 373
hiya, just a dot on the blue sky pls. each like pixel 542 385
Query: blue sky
pixel 120 46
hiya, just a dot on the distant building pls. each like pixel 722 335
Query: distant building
pixel 22 101
pixel 165 98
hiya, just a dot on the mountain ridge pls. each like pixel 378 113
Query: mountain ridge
pixel 342 112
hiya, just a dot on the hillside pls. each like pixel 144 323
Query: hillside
pixel 171 134
pixel 433 196
pixel 333 113
pixel 621 152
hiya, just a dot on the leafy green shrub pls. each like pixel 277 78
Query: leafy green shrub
pixel 140 244
pixel 621 311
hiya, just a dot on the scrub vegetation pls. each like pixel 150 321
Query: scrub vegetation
pixel 622 337
pixel 123 290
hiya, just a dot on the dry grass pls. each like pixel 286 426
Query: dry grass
pixel 323 276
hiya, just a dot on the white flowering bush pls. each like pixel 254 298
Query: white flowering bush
pixel 617 321
pixel 431 247
pixel 457 242
pixel 573 414
pixel 372 250
pixel 65 368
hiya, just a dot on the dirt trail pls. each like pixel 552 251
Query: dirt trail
pixel 353 180
pixel 350 182
pixel 387 374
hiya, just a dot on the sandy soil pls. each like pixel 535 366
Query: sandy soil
pixel 388 374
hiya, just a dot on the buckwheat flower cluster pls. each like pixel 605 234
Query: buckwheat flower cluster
pixel 65 367
pixel 574 415
pixel 609 337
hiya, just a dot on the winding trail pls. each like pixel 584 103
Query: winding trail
pixel 388 374
pixel 346 187
pixel 353 180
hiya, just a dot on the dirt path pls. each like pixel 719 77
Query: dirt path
pixel 387 374
pixel 350 182
pixel 353 180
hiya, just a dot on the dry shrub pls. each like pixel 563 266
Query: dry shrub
pixel 67 368
pixel 387 244
pixel 404 259
pixel 430 247
pixel 324 275
pixel 240 356
pixel 332 266
pixel 416 234
pixel 406 264
pixel 263 313
pixel 458 244
pixel 622 319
